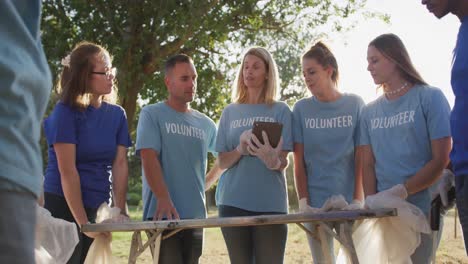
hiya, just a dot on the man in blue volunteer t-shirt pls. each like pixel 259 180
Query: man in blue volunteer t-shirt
pixel 458 119
pixel 173 141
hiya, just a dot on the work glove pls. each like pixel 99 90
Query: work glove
pixel 269 155
pixel 117 219
pixel 355 205
pixel 244 140
pixel 334 202
pixel 398 190
pixel 305 208
pixel 447 181
pixel 441 188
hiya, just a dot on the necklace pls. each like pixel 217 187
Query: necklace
pixel 397 90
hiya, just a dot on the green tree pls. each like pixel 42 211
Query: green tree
pixel 141 34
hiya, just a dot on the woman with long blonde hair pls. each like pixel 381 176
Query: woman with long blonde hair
pixel 254 181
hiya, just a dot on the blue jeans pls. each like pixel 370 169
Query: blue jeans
pixel 461 193
pixel 253 244
pixel 17 227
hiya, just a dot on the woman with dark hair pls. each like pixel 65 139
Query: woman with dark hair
pixel 325 155
pixel 88 139
pixel 405 133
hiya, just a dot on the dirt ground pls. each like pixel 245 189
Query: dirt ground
pixel 451 249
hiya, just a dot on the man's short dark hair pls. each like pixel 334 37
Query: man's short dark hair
pixel 173 60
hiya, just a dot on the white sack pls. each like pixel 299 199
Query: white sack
pixel 56 238
pixel 100 251
pixel 389 239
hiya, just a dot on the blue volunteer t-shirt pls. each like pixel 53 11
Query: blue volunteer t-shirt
pixel 249 184
pixel 328 131
pixel 400 133
pixel 25 84
pixel 96 132
pixel 182 141
pixel 459 117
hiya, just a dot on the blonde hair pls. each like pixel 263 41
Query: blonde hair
pixel 269 92
pixel 73 84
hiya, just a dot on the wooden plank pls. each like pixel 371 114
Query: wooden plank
pixel 134 248
pixel 329 229
pixel 149 235
pixel 152 236
pixel 171 233
pixel 240 221
pixel 322 229
pixel 157 248
pixel 345 233
pixel 341 219
pixel 308 232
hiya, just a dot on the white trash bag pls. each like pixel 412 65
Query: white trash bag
pixel 100 251
pixel 56 238
pixel 388 239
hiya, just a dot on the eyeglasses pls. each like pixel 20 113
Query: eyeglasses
pixel 108 73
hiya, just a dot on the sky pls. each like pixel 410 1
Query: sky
pixel 429 41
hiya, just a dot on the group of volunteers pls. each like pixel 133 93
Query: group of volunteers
pixel 397 144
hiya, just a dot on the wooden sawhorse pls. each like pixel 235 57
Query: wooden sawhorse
pixel 342 220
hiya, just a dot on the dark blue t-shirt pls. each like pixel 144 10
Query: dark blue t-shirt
pixel 96 132
pixel 459 119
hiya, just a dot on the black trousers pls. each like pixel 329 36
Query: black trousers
pixel 253 244
pixel 58 207
pixel 461 193
pixel 184 247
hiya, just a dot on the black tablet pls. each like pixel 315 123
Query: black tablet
pixel 272 129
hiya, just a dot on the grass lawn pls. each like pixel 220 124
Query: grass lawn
pixel 451 249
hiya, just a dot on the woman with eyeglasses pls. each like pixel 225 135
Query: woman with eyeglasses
pixel 87 137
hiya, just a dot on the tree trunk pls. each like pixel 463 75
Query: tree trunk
pixel 129 100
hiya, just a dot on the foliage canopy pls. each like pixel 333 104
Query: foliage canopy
pixel 141 34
